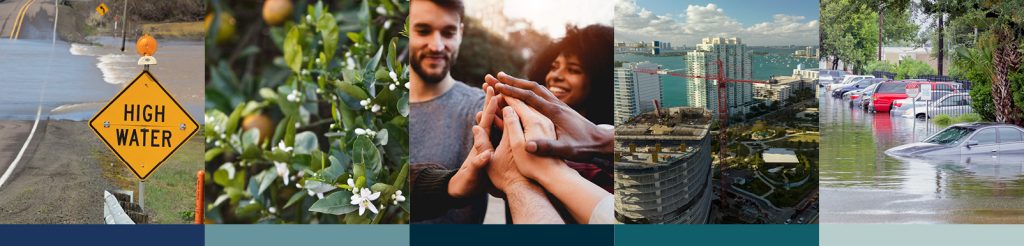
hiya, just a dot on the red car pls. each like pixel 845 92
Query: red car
pixel 886 93
pixel 889 92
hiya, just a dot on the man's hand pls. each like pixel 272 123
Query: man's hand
pixel 578 139
pixel 471 179
pixel 502 171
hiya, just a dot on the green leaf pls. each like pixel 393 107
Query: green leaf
pixel 305 142
pixel 233 119
pixel 266 179
pixel 393 54
pixel 295 198
pixel 336 203
pixel 250 144
pixel 293 49
pixel 370 69
pixel 328 27
pixel 268 94
pixel 337 168
pixel 382 188
pixel 403 105
pixel 213 153
pixel 366 154
pixel 351 95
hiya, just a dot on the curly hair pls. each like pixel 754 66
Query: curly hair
pixel 592 45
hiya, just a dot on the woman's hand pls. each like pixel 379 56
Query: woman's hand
pixel 534 127
pixel 577 139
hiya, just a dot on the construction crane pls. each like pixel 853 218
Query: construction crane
pixel 723 111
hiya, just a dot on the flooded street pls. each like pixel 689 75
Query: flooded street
pixel 860 184
pixel 72 81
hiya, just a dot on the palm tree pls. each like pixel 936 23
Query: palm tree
pixel 1005 59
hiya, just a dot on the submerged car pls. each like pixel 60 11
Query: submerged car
pixel 886 93
pixel 966 139
pixel 915 107
pixel 954 105
pixel 826 77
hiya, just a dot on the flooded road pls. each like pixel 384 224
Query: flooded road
pixel 72 81
pixel 860 184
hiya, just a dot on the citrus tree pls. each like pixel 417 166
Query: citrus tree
pixel 307 112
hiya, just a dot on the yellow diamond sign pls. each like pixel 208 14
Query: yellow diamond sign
pixel 102 9
pixel 143 125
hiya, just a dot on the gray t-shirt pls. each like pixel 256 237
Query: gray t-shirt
pixel 441 132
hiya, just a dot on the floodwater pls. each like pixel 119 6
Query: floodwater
pixel 860 184
pixel 73 81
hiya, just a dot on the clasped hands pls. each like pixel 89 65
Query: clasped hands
pixel 539 132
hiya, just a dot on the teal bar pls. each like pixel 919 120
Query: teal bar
pixel 931 235
pixel 647 235
pixel 287 235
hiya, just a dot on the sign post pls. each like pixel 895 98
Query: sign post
pixel 143 125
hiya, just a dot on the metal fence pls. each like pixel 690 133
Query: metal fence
pixel 963 82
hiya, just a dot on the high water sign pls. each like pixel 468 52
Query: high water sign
pixel 143 125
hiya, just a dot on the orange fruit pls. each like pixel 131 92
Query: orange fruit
pixel 261 122
pixel 226 29
pixel 146 45
pixel 276 12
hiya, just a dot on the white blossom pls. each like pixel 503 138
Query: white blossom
pixel 364 198
pixel 375 108
pixel 295 96
pixel 352 184
pixel 397 197
pixel 394 76
pixel 282 147
pixel 282 170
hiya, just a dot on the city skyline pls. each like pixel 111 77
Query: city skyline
pixel 691 21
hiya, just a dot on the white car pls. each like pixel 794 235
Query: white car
pixel 914 107
pixel 953 105
pixel 826 77
pixel 848 79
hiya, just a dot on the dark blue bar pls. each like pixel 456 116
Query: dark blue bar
pixel 517 235
pixel 718 235
pixel 149 235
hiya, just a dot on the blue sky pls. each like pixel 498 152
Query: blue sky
pixel 746 11
pixel 686 22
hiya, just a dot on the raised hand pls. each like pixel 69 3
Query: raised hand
pixel 577 139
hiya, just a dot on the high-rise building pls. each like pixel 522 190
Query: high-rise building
pixel 735 61
pixel 663 167
pixel 635 92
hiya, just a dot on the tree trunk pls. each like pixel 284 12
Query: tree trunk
pixel 881 28
pixel 1005 59
pixel 942 44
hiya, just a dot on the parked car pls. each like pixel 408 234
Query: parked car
pixel 858 97
pixel 886 93
pixel 953 105
pixel 967 139
pixel 846 80
pixel 826 77
pixel 859 84
pixel 913 107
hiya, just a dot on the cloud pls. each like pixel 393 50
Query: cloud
pixel 635 23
